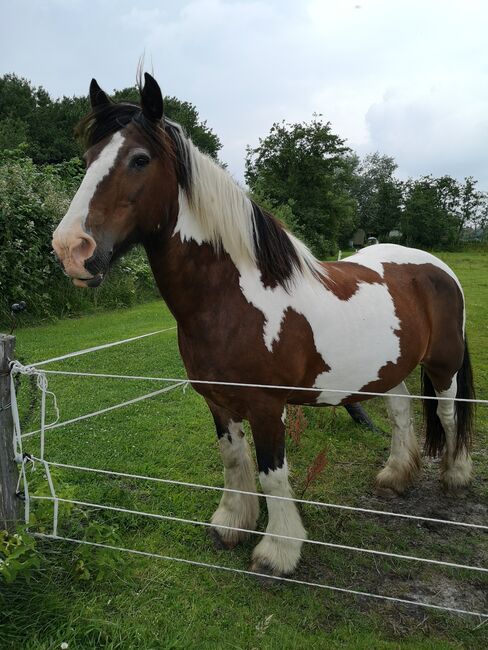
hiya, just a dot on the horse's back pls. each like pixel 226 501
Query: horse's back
pixel 375 257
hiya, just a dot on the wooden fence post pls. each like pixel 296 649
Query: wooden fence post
pixel 10 505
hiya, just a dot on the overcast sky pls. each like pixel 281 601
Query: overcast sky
pixel 404 77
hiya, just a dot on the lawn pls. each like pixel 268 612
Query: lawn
pixel 95 599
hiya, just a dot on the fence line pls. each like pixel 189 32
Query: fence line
pixel 217 488
pixel 56 425
pixel 254 574
pixel 32 369
pixel 315 389
pixel 103 346
pixel 181 520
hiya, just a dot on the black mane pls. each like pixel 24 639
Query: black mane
pixel 276 255
pixel 106 119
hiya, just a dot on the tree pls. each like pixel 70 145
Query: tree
pixel 308 168
pixel 378 194
pixel 438 211
pixel 185 114
pixel 473 210
pixel 29 115
pixel 428 220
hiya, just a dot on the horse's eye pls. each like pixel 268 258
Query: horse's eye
pixel 139 161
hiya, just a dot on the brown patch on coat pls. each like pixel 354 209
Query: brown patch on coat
pixel 343 280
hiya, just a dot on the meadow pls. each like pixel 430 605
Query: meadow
pixel 91 598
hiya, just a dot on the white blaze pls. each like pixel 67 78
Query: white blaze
pixel 100 167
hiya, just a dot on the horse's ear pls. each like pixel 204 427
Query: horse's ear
pixel 151 99
pixel 97 96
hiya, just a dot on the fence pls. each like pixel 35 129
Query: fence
pixel 11 484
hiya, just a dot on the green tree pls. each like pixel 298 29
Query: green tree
pixel 378 194
pixel 13 132
pixel 185 114
pixel 473 208
pixel 428 220
pixel 28 114
pixel 308 168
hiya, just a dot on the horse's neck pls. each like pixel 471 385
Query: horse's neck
pixel 190 277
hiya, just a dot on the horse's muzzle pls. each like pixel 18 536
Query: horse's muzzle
pixel 93 282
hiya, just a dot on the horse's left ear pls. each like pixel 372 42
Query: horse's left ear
pixel 151 99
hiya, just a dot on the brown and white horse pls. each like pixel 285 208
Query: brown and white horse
pixel 254 306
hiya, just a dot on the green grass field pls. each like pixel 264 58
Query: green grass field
pixel 136 602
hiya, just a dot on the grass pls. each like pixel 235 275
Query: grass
pixel 144 603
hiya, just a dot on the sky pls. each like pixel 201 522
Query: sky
pixel 406 78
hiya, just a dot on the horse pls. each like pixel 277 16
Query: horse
pixel 254 307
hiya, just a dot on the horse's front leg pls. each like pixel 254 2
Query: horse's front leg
pixel 235 510
pixel 275 555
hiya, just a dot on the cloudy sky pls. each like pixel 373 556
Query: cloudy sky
pixel 404 77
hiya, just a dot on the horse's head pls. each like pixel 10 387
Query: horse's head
pixel 130 187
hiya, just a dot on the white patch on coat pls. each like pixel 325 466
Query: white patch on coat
pixel 355 337
pixel 96 172
pixel 283 416
pixel 236 510
pixel 280 555
pixel 404 460
pixel 373 257
pixel 456 471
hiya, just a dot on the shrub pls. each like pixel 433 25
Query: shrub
pixel 33 199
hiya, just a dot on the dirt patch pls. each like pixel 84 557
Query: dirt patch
pixel 420 582
pixel 427 499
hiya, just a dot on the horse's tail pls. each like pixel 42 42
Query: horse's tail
pixel 435 438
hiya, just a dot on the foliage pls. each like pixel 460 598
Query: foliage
pixel 314 470
pixel 100 565
pixel 296 423
pixel 378 194
pixel 185 114
pixel 435 211
pixel 18 555
pixel 307 168
pixel 33 199
pixel 29 115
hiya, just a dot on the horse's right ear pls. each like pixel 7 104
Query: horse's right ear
pixel 97 96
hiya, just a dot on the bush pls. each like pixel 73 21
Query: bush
pixel 33 199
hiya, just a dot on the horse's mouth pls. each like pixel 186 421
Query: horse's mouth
pixel 92 282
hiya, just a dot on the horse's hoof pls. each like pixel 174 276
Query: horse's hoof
pixel 386 492
pixel 454 491
pixel 265 574
pixel 219 543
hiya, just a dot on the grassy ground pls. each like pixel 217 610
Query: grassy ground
pixel 135 602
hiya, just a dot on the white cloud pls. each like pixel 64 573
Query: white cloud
pixel 408 77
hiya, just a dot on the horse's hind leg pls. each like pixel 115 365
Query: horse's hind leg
pixel 275 555
pixel 235 510
pixel 403 463
pixel 456 464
